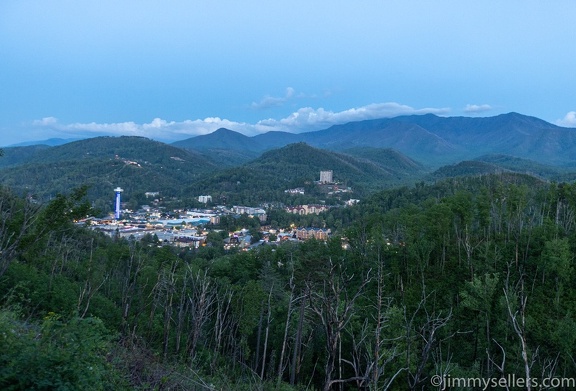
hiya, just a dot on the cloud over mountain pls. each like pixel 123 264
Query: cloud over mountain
pixel 304 119
pixel 568 121
pixel 477 108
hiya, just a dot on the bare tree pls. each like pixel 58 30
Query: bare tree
pixel 426 337
pixel 92 284
pixel 296 352
pixel 500 367
pixel 286 327
pixel 201 299
pixel 131 272
pixel 168 286
pixel 516 300
pixel 266 333
pixel 333 304
pixel 223 322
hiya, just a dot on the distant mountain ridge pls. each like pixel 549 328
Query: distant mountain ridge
pixel 427 138
pixel 369 155
pixel 52 142
pixel 224 146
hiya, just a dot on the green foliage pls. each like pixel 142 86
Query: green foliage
pixel 64 209
pixel 54 355
pixel 557 259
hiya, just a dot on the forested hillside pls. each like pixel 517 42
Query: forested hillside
pixel 299 165
pixel 467 277
pixel 136 164
pixel 140 165
pixel 236 169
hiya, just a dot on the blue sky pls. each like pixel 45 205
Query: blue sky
pixel 169 70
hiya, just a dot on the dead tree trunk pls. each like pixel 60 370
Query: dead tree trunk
pixel 334 307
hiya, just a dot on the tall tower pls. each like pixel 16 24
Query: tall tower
pixel 118 190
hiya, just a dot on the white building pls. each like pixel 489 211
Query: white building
pixel 326 176
pixel 205 199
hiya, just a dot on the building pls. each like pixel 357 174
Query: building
pixel 250 211
pixel 307 209
pixel 298 190
pixel 309 233
pixel 205 199
pixel 326 176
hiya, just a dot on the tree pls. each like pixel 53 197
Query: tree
pixel 333 303
pixel 479 295
pixel 516 298
pixel 17 222
pixel 56 354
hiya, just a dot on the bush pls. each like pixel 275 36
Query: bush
pixel 55 355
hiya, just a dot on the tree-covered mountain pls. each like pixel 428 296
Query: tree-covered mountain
pixel 366 155
pixel 136 164
pixel 276 139
pixel 14 156
pixel 466 168
pixel 495 163
pixel 411 139
pixel 526 166
pixel 299 165
pixel 139 165
pixel 220 139
pixel 224 147
pixel 430 139
pixel 389 159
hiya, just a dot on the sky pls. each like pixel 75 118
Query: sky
pixel 173 69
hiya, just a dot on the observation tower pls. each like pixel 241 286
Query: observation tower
pixel 117 190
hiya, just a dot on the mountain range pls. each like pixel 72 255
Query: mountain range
pixel 367 155
pixel 429 139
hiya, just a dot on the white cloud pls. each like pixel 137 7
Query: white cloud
pixel 271 101
pixel 305 119
pixel 477 108
pixel 46 121
pixel 158 128
pixel 569 120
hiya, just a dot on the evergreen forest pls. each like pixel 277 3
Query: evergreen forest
pixel 469 277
